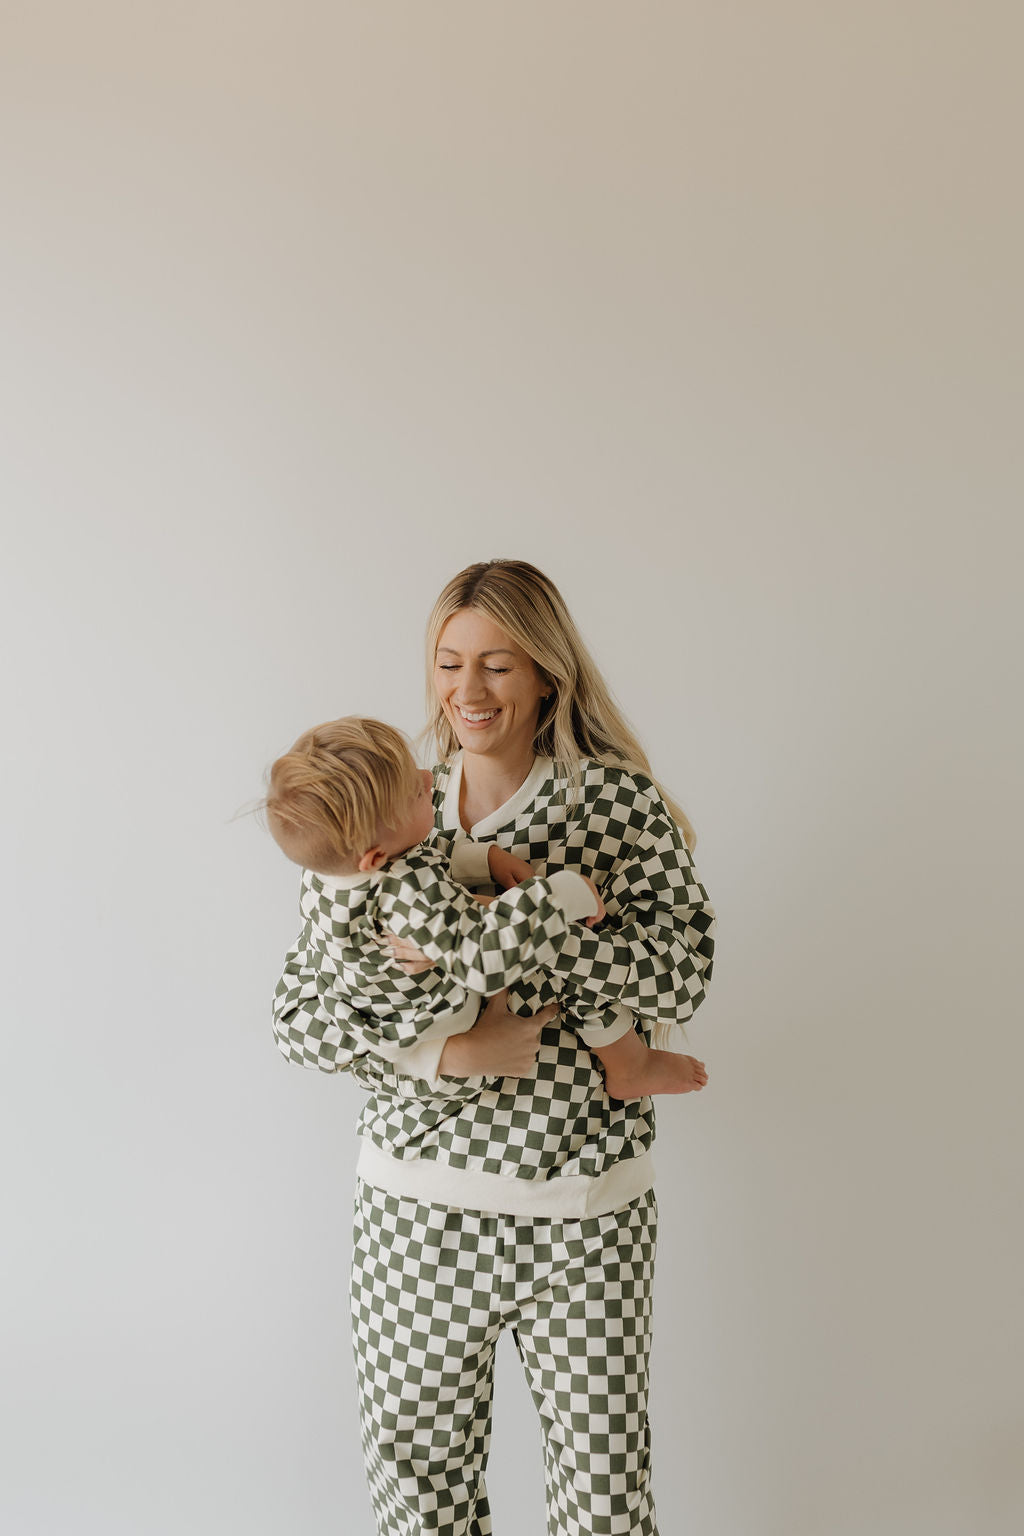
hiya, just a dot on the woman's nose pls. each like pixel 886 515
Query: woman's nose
pixel 471 687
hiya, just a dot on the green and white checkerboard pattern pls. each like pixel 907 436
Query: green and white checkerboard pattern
pixel 653 954
pixel 474 949
pixel 557 1123
pixel 432 1288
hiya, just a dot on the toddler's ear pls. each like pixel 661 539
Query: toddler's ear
pixel 372 859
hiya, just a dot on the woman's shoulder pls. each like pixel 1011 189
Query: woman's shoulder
pixel 620 793
pixel 617 773
pixel 628 797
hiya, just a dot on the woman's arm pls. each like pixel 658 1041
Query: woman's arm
pixel 653 954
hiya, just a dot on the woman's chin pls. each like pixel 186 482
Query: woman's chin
pixel 470 742
pixel 480 738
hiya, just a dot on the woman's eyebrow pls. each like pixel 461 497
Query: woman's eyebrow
pixel 498 651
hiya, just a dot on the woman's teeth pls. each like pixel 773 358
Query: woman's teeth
pixel 477 717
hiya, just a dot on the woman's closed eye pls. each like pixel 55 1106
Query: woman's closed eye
pixel 453 666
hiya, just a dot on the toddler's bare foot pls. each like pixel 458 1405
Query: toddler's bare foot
pixel 655 1072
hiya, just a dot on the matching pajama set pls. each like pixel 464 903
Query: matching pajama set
pixel 525 1203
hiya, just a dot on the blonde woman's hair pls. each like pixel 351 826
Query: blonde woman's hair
pixel 580 719
pixel 340 781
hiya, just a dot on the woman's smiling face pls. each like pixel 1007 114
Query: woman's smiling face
pixel 488 686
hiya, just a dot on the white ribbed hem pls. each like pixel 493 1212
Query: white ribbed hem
pixel 566 1198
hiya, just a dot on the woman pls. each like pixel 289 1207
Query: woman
pixel 521 1201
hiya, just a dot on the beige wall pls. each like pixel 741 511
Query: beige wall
pixel 713 311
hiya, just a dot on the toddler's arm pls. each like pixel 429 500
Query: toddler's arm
pixel 484 950
pixel 316 1027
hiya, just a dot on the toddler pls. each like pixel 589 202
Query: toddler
pixel 349 805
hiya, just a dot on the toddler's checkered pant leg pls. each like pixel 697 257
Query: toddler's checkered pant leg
pixel 424 1333
pixel 585 1344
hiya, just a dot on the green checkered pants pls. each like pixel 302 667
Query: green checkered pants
pixel 432 1288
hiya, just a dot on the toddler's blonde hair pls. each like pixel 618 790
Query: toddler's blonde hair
pixel 340 782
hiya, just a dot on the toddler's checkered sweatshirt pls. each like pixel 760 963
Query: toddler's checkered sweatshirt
pixel 552 1143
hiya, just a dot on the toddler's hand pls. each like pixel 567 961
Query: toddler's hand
pixel 505 868
pixel 412 960
pixel 599 914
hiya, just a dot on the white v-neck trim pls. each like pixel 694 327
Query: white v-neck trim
pixel 526 792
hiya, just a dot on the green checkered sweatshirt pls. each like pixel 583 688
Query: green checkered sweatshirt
pixel 652 955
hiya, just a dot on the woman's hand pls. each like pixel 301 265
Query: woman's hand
pixel 412 960
pixel 500 1044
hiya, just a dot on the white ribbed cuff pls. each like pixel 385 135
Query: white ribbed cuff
pixel 468 864
pixel 572 894
pixel 619 1023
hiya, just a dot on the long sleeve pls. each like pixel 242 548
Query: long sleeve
pixel 653 954
pixel 316 1027
pixel 484 949
pixel 306 1033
